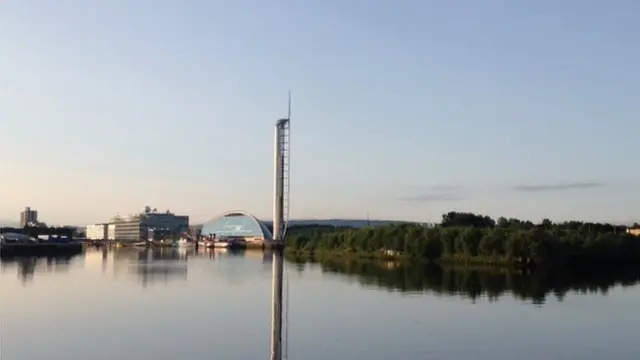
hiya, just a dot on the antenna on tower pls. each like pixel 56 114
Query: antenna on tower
pixel 289 112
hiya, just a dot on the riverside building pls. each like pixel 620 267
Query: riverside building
pixel 137 227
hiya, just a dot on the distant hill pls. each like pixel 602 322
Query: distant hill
pixel 354 223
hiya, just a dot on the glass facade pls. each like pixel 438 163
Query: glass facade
pixel 237 224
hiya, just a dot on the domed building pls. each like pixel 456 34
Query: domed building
pixel 238 224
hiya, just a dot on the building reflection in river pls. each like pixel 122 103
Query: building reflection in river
pixel 28 266
pixel 162 265
pixel 152 266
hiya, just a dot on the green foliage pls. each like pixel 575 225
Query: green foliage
pixel 474 238
pixel 455 219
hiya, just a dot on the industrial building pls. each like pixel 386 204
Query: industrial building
pixel 137 227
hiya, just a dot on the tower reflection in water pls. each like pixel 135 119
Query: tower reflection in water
pixel 277 323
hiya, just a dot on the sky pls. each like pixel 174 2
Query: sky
pixel 401 109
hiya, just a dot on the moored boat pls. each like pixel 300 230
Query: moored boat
pixel 184 243
pixel 230 243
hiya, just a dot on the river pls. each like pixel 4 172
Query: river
pixel 129 304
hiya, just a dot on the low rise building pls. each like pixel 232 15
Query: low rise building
pixel 97 232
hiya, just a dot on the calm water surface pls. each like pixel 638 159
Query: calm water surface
pixel 128 304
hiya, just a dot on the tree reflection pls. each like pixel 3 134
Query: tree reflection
pixel 479 282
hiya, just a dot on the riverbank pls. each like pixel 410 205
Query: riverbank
pixel 38 249
pixel 310 254
pixel 475 239
pixel 382 255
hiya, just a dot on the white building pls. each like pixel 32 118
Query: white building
pixel 97 232
pixel 111 232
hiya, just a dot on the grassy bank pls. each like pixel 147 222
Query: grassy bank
pixel 350 254
pixel 315 254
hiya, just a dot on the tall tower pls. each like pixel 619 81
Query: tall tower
pixel 281 178
pixel 280 222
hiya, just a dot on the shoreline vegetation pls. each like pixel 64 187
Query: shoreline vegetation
pixel 467 238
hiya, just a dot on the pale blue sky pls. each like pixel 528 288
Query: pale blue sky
pixel 402 109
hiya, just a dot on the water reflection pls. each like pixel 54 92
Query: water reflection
pixel 27 266
pixel 148 266
pixel 102 310
pixel 159 266
pixel 478 282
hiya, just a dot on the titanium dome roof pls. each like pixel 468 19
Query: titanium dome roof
pixel 237 223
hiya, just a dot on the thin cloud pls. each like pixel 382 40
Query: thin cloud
pixel 559 187
pixel 434 193
pixel 423 198
pixel 438 188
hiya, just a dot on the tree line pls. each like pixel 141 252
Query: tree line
pixel 468 237
pixel 35 231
